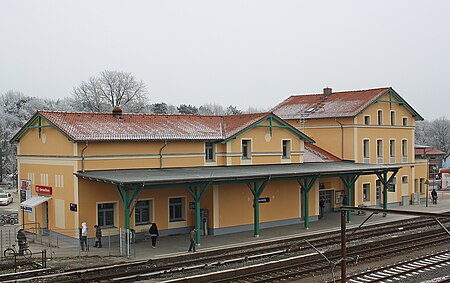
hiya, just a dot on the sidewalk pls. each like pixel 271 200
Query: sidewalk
pixel 178 244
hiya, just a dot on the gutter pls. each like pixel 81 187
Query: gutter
pixel 342 138
pixel 161 156
pixel 82 156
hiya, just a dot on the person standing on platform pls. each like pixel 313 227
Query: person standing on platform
pixel 321 207
pixel 192 239
pixel 98 236
pixel 84 234
pixel 153 234
pixel 22 240
pixel 434 196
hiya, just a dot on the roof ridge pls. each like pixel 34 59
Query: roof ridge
pixel 342 91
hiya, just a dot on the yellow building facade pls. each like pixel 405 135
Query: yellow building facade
pixel 54 146
pixel 374 126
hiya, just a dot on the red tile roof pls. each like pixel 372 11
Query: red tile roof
pixel 428 151
pixel 316 154
pixel 338 104
pixel 133 127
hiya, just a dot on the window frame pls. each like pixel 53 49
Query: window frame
pixel 379 117
pixel 210 149
pixel 392 150
pixel 182 210
pixel 366 196
pixel 286 149
pixel 405 121
pixel 139 221
pixel 104 224
pixel 404 150
pixel 248 149
pixel 380 151
pixel 366 119
pixel 366 150
pixel 393 117
pixel 392 186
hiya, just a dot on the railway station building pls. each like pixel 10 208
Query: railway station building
pixel 223 174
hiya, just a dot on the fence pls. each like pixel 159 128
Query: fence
pixel 115 241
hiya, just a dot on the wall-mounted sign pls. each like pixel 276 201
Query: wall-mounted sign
pixel 43 190
pixel 27 209
pixel 263 200
pixel 73 207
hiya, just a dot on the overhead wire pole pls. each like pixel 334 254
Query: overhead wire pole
pixel 343 247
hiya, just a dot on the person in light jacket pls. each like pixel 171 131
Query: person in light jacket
pixel 84 234
pixel 153 234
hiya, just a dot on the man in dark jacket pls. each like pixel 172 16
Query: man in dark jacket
pixel 153 234
pixel 434 196
pixel 22 241
pixel 98 236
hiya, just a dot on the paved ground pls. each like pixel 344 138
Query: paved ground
pixel 178 244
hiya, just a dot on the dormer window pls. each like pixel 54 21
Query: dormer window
pixel 367 120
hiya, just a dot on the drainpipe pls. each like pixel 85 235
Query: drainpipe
pixel 342 139
pixel 160 155
pixel 82 156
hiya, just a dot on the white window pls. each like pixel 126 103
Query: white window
pixel 405 121
pixel 392 118
pixel 366 151
pixel 286 144
pixel 392 151
pixel 421 185
pixel 380 117
pixel 404 151
pixel 143 212
pixel 105 214
pixel 392 185
pixel 380 151
pixel 366 192
pixel 209 152
pixel 246 149
pixel 177 209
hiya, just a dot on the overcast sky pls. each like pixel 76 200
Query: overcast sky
pixel 242 53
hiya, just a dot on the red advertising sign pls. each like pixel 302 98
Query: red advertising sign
pixel 43 190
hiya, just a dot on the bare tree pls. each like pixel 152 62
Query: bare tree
pixel 111 89
pixel 440 134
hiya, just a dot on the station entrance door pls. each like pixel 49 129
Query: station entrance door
pixel 326 196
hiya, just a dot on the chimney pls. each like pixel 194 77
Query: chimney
pixel 327 92
pixel 117 113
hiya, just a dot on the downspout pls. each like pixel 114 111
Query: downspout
pixel 160 155
pixel 82 156
pixel 342 138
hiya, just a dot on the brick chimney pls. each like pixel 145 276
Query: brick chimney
pixel 117 113
pixel 327 92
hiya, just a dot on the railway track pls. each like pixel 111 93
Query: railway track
pixel 221 258
pixel 300 267
pixel 405 271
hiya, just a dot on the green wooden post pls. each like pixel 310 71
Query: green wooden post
pixel 306 185
pixel 126 208
pixel 256 191
pixel 349 181
pixel 385 191
pixel 197 194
